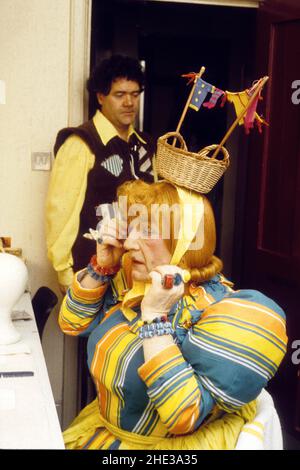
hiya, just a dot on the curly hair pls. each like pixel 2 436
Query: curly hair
pixel 109 70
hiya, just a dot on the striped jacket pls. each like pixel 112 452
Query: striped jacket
pixel 227 346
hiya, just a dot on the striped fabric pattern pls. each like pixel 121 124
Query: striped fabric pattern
pixel 113 164
pixel 241 337
pixel 178 397
pixel 227 346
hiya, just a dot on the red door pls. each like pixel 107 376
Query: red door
pixel 272 212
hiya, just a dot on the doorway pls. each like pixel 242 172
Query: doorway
pixel 174 39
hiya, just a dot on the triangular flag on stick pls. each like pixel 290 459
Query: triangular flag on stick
pixel 241 100
pixel 256 91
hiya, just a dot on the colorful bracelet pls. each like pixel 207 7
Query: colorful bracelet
pixel 159 326
pixel 103 270
pixel 101 273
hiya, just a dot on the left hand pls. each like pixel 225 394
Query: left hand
pixel 158 300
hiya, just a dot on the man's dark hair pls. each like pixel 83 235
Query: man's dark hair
pixel 117 66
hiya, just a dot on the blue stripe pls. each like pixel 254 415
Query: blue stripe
pixel 218 340
pixel 179 407
pixel 247 329
pixel 173 359
pixel 257 297
pixel 171 388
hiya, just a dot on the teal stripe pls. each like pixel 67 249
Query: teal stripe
pixel 113 288
pixel 184 402
pixel 88 443
pixel 235 345
pixel 231 355
pixel 120 364
pixel 94 305
pixel 152 422
pixel 116 344
pixel 245 322
pixel 246 329
pixel 254 296
pixel 170 389
pixel 75 326
pixel 173 359
pixel 155 422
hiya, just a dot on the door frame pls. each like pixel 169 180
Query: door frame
pixel 79 69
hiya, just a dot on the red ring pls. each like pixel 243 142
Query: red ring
pixel 168 281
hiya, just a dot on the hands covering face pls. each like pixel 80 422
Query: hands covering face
pixel 150 262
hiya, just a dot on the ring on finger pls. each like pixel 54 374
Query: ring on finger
pixel 168 281
pixel 177 279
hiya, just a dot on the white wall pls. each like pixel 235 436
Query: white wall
pixel 41 72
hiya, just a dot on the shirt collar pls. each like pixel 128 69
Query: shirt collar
pixel 107 130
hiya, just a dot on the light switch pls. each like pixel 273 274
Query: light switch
pixel 41 161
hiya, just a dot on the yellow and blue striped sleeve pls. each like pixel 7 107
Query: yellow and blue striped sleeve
pixel 226 358
pixel 237 346
pixel 80 308
pixel 174 389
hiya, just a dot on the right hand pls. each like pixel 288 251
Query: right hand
pixel 159 300
pixel 111 250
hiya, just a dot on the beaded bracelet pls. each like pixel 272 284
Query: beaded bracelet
pixel 96 276
pixel 99 273
pixel 159 326
pixel 103 270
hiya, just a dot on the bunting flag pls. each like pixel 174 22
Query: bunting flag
pixel 202 88
pixel 251 115
pixel 214 98
pixel 240 101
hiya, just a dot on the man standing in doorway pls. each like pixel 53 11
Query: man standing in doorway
pixel 92 160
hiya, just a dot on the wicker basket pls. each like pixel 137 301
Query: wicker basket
pixel 196 171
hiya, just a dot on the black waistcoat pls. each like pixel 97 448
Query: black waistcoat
pixel 114 164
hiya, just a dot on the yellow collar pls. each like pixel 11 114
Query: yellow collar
pixel 107 130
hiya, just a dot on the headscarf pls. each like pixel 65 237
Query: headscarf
pixel 191 224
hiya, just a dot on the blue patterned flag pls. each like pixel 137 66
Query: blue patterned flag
pixel 200 93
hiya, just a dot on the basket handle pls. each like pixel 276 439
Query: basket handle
pixel 176 135
pixel 206 150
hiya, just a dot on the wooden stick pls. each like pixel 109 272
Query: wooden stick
pixel 259 85
pixel 202 70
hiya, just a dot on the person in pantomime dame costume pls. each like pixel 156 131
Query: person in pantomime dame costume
pixel 177 356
